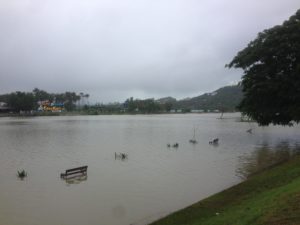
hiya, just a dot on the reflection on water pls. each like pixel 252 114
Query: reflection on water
pixel 264 157
pixel 76 179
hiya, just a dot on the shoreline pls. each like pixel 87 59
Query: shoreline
pixel 269 197
pixel 41 114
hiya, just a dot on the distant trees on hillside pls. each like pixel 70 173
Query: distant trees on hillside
pixel 224 100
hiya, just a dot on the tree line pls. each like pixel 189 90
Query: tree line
pixel 28 101
pixel 146 106
pixel 131 106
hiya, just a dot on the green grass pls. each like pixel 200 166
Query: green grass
pixel 271 197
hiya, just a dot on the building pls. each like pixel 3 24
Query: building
pixel 197 110
pixel 47 106
pixel 4 107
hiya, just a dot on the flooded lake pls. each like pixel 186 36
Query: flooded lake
pixel 152 181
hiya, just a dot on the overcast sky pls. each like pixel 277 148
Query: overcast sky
pixel 114 49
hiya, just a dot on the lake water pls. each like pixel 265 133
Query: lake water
pixel 153 181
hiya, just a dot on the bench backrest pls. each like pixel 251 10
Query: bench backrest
pixel 82 168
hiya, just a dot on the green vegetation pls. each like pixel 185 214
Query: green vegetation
pixel 28 101
pixel 271 197
pixel 21 101
pixel 271 79
pixel 225 99
pixel 143 106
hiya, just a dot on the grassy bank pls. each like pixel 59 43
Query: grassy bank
pixel 271 197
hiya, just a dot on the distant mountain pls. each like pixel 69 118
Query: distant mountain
pixel 224 99
pixel 166 100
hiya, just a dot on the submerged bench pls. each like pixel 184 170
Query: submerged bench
pixel 79 170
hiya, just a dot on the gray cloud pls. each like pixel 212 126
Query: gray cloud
pixel 122 48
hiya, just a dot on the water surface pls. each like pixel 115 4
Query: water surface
pixel 153 181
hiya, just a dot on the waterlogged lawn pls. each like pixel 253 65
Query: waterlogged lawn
pixel 271 197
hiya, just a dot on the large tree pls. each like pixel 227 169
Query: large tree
pixel 70 99
pixel 271 80
pixel 21 101
pixel 41 95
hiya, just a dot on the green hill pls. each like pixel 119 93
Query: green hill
pixel 224 99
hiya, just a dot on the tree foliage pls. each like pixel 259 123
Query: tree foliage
pixel 21 101
pixel 271 80
pixel 145 106
pixel 224 99
pixel 27 101
pixel 41 95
